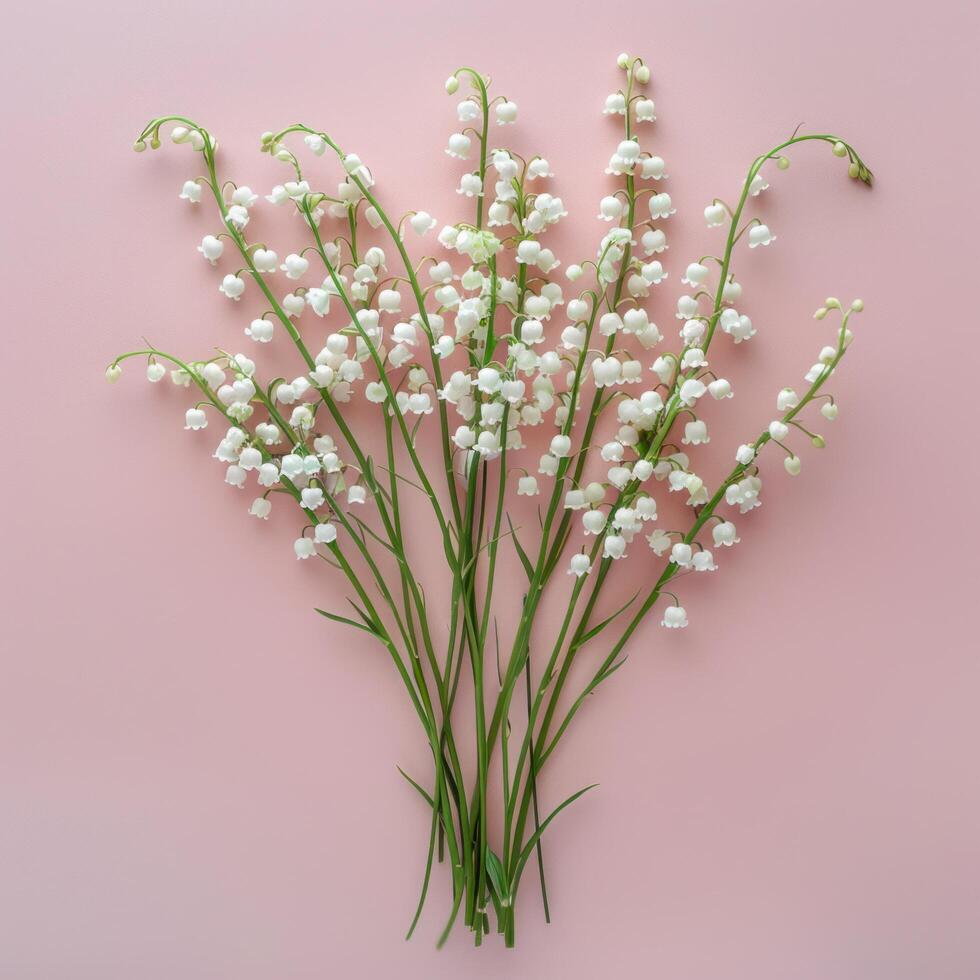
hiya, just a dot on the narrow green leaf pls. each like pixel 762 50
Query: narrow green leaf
pixel 348 622
pixel 596 630
pixel 498 878
pixel 536 836
pixel 371 625
pixel 521 553
pixel 365 528
pixel 532 777
pixel 425 796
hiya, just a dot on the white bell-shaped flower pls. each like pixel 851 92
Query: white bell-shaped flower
pixel 232 287
pixel 732 291
pixel 235 476
pixel 704 561
pixel 607 371
pixel 191 192
pixel 527 486
pixel 459 146
pixel 211 248
pixel 687 307
pixel 422 222
pixel 268 475
pixel 304 548
pixel 250 458
pixel 615 105
pixel 691 390
pixel 760 235
pixel 295 266
pixel 261 508
pixel 787 399
pixel 561 446
pixel 470 185
pixel 390 301
pixel 613 546
pixel 194 418
pixel 654 241
pixel 311 498
pixel 611 208
pixel 695 274
pixel 579 565
pixel 506 113
pixel 715 215
pixel 693 358
pixel 244 196
pixel 645 507
pixel 548 465
pixel 539 167
pixel 645 110
pixel 325 533
pixel 681 554
pixel 260 331
pixel 675 617
pixel 316 143
pixel 265 260
pixel 661 206
pixel 696 433
pixel 724 534
pixel 237 217
pixel 652 168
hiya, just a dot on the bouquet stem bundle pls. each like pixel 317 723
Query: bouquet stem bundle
pixel 482 350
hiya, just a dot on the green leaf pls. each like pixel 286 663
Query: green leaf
pixel 536 836
pixel 425 796
pixel 498 878
pixel 596 630
pixel 521 553
pixel 351 622
pixel 366 529
pixel 371 625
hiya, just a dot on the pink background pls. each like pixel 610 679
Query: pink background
pixel 188 787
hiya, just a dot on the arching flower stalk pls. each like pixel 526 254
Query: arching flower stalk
pixel 523 382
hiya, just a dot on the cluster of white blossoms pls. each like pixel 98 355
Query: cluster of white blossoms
pixel 590 386
pixel 487 334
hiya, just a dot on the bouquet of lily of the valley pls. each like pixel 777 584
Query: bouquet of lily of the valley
pixel 429 394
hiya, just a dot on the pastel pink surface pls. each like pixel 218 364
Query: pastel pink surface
pixel 197 773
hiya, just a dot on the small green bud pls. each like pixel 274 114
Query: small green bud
pixel 155 142
pixel 832 303
pixel 857 305
pixel 818 442
pixel 139 146
pixel 113 373
pixel 623 61
pixel 821 313
pixel 452 85
pixel 854 170
pixel 783 163
pixel 642 74
pixel 839 149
